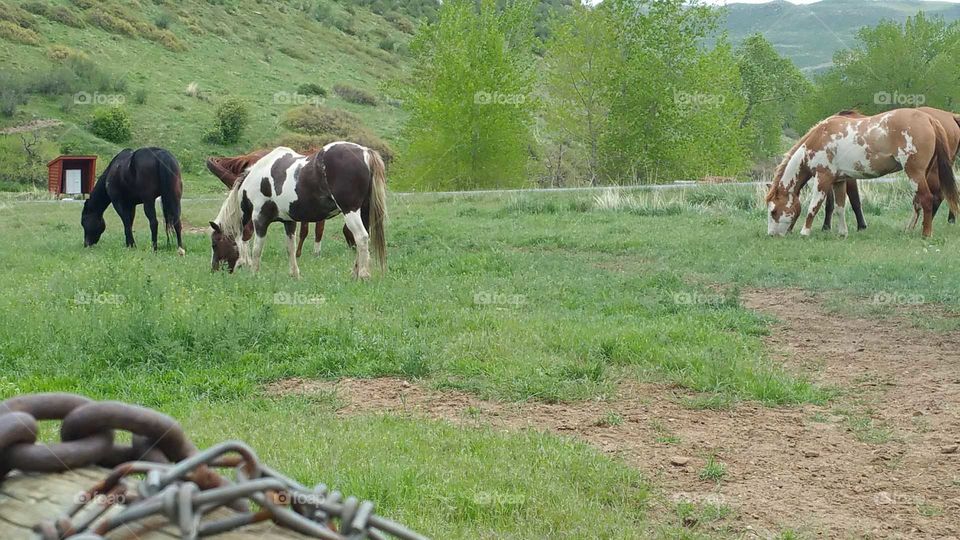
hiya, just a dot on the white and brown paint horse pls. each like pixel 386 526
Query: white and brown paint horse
pixel 285 186
pixel 842 148
pixel 951 126
pixel 229 168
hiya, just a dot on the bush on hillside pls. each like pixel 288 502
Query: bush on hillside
pixel 111 124
pixel 17 16
pixel 18 34
pixel 316 126
pixel 311 89
pixel 355 95
pixel 232 118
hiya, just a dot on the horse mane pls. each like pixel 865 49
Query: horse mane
pixel 782 167
pixel 230 217
pixel 849 112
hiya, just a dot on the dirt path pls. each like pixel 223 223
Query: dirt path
pixel 880 461
pixel 33 125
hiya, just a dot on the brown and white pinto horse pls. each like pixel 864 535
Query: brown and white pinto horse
pixel 286 186
pixel 228 169
pixel 951 126
pixel 844 147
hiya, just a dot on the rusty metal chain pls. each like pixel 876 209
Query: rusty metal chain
pixel 178 482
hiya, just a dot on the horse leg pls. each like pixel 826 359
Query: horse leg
pixel 127 213
pixel 242 244
pixel 348 236
pixel 820 190
pixel 923 200
pixel 304 231
pixel 291 229
pixel 828 212
pixel 178 228
pixel 853 194
pixel 318 237
pixel 361 269
pixel 840 195
pixel 257 252
pixel 150 210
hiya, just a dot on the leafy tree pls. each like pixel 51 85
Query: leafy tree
pixel 772 88
pixel 891 66
pixel 579 66
pixel 675 107
pixel 471 103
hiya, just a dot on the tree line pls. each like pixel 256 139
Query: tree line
pixel 635 91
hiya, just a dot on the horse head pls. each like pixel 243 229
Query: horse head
pixel 93 224
pixel 224 249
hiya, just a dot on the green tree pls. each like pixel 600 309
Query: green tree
pixel 675 106
pixel 579 65
pixel 891 66
pixel 471 100
pixel 772 88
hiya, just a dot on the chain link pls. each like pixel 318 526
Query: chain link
pixel 177 481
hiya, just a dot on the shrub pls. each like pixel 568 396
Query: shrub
pixel 232 117
pixel 65 15
pixel 17 15
pixel 163 21
pixel 18 34
pixel 140 96
pixel 317 126
pixel 111 23
pixel 388 44
pixel 62 53
pixel 311 89
pixel 354 95
pixel 112 124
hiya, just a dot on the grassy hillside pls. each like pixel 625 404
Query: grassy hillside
pixel 150 52
pixel 810 34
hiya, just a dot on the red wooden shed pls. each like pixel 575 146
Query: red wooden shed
pixel 72 175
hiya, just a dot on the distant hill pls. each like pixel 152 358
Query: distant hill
pixel 810 34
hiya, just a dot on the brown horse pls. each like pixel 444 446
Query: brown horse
pixel 951 126
pixel 285 186
pixel 844 147
pixel 228 169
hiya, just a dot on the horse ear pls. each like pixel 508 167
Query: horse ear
pixel 215 226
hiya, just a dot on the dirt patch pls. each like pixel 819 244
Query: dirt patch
pixel 31 126
pixel 880 461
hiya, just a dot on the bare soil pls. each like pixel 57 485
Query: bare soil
pixel 879 461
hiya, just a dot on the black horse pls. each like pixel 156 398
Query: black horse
pixel 136 177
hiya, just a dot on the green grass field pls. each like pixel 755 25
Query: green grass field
pixel 509 297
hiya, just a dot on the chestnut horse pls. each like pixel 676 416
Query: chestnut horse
pixel 951 126
pixel 285 186
pixel 136 177
pixel 844 147
pixel 228 169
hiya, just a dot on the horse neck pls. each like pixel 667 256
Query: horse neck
pixel 99 198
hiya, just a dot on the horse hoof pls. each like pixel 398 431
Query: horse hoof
pixel 805 232
pixel 181 252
